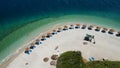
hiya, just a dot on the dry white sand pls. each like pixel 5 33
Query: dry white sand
pixel 107 46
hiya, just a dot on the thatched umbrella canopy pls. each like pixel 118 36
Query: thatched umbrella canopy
pixel 43 36
pixel 53 63
pixel 118 32
pixel 105 29
pixel 77 24
pixel 46 59
pixel 54 30
pixel 37 40
pixel 65 26
pixel 49 34
pixel 54 57
pixel 60 28
pixel 112 30
pixel 72 25
pixel 85 60
pixel 84 26
pixel 98 28
pixel 32 44
pixel 91 26
pixel 27 48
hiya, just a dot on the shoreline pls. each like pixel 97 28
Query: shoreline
pixel 21 49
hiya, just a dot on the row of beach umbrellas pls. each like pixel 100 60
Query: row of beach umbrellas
pixel 64 28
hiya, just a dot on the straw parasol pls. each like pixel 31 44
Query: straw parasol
pixel 77 24
pixel 53 63
pixel 32 44
pixel 37 40
pixel 54 30
pixel 43 36
pixel 65 26
pixel 71 26
pixel 83 26
pixel 60 28
pixel 27 48
pixel 104 30
pixel 90 27
pixel 84 60
pixel 118 33
pixel 54 57
pixel 98 28
pixel 46 59
pixel 49 34
pixel 111 30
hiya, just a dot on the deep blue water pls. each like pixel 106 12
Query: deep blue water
pixel 17 8
pixel 13 10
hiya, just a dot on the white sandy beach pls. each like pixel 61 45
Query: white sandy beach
pixel 107 46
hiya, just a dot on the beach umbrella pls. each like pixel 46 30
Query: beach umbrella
pixel 65 27
pixel 59 29
pixel 71 26
pixel 53 63
pixel 111 31
pixel 38 40
pixel 54 30
pixel 98 28
pixel 49 35
pixel 43 36
pixel 54 57
pixel 118 33
pixel 77 26
pixel 46 59
pixel 27 48
pixel 32 44
pixel 104 30
pixel 90 27
pixel 83 26
pixel 84 60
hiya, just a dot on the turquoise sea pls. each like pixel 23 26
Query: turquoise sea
pixel 22 20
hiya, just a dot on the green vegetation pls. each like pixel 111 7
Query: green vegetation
pixel 70 59
pixel 103 64
pixel 73 59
